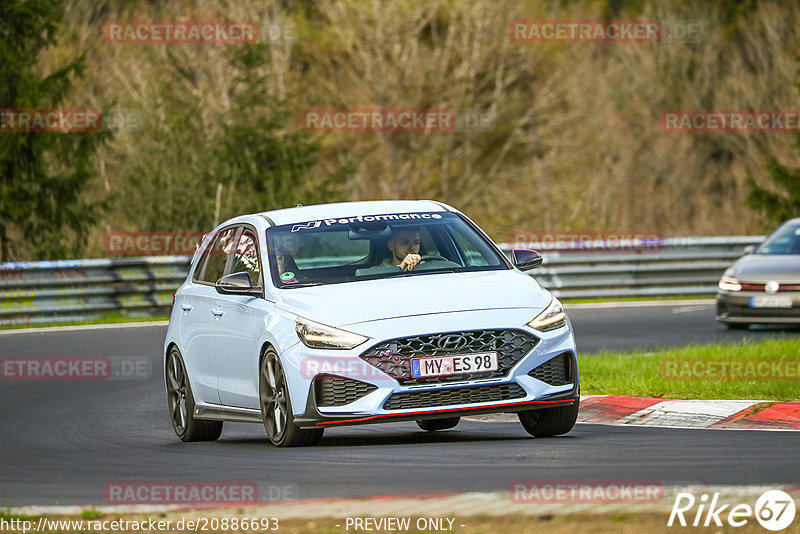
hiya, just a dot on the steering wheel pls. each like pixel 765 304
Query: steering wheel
pixel 431 257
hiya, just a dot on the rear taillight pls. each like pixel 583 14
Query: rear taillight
pixel 173 298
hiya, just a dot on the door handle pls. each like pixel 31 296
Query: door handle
pixel 186 307
pixel 217 312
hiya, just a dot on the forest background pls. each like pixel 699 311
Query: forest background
pixel 569 134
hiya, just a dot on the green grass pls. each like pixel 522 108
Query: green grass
pixel 110 318
pixel 91 513
pixel 668 373
pixel 6 514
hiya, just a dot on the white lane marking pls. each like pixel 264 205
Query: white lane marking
pixel 642 303
pixel 689 309
pixel 83 327
pixel 628 425
pixel 692 413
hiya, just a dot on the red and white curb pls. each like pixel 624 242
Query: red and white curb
pixel 649 411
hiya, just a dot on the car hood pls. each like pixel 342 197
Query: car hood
pixel 373 300
pixel 765 267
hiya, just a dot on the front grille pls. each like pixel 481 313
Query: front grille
pixel 394 357
pixel 753 287
pixel 337 391
pixel 447 397
pixel 556 371
pixel 785 286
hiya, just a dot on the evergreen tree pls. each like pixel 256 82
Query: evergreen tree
pixel 260 161
pixel 781 202
pixel 43 174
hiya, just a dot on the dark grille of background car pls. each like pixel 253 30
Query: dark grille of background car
pixel 394 357
pixel 446 397
pixel 556 371
pixel 337 391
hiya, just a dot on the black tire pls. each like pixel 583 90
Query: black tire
pixel 432 425
pixel 549 421
pixel 276 406
pixel 181 403
pixel 737 326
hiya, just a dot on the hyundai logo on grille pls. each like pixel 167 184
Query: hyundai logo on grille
pixel 452 342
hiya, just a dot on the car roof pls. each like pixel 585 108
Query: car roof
pixel 352 209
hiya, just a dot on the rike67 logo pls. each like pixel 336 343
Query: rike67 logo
pixel 774 510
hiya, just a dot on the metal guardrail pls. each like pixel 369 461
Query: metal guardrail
pixel 672 266
pixel 73 290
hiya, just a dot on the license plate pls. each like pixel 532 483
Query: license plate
pixel 767 301
pixel 454 365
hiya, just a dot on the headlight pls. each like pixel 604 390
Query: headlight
pixel 552 317
pixel 320 336
pixel 729 283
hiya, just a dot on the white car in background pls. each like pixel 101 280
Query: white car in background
pixel 300 319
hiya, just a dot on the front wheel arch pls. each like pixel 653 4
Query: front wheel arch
pixel 287 434
pixel 265 346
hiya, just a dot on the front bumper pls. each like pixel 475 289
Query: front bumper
pixel 734 308
pixel 530 384
pixel 312 417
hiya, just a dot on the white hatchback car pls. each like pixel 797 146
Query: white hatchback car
pixel 365 312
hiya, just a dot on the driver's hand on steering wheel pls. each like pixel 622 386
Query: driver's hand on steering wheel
pixel 410 261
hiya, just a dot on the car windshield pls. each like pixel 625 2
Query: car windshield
pixel 785 240
pixel 333 251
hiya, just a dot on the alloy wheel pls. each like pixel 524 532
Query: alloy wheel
pixel 176 386
pixel 273 397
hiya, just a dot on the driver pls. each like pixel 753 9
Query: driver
pixel 404 246
pixel 287 247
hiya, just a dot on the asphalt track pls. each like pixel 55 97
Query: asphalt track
pixel 62 442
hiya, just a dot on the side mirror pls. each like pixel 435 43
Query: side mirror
pixel 749 249
pixel 525 260
pixel 237 284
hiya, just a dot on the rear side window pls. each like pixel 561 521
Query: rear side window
pixel 212 265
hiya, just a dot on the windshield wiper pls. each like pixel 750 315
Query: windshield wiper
pixel 302 284
pixel 419 273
